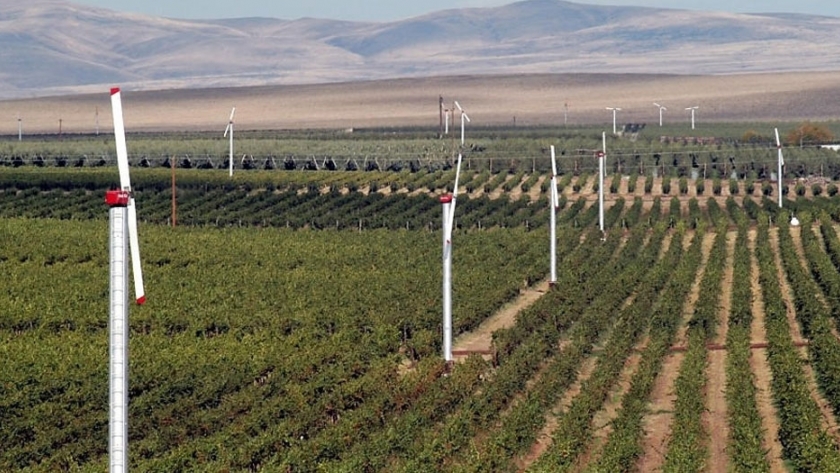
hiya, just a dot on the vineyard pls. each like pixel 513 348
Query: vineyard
pixel 294 323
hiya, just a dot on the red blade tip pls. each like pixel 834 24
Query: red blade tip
pixel 115 90
pixel 141 300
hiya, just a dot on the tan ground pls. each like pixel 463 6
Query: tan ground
pixel 602 422
pixel 829 422
pixel 490 100
pixel 694 294
pixel 657 422
pixel 761 369
pixel 714 417
pixel 544 438
pixel 480 339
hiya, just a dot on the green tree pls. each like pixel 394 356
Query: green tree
pixel 807 133
pixel 752 136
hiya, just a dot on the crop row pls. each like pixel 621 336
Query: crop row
pixel 521 351
pixel 804 441
pixel 745 443
pixel 493 153
pixel 811 311
pixel 515 431
pixel 687 449
pixel 574 430
pixel 205 351
pixel 622 448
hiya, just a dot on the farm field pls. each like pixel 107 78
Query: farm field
pixel 293 324
pixel 525 100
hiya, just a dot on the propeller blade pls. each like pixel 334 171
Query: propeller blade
pixel 134 247
pixel 227 129
pixel 459 106
pixel 119 138
pixel 233 110
pixel 779 147
pixel 451 222
pixel 467 117
pixel 125 184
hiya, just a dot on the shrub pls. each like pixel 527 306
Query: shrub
pixel 809 133
pixel 614 184
pixel 767 188
pixel 733 187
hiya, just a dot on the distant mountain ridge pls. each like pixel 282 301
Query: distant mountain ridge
pixel 55 46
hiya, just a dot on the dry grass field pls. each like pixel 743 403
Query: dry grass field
pixel 536 99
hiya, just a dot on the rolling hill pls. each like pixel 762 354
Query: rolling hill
pixel 58 47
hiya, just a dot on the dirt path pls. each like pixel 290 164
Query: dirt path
pixel 602 422
pixel 516 190
pixel 498 191
pixel 481 338
pixel 761 369
pixel 714 417
pixel 796 236
pixel 535 191
pixel 829 422
pixel 657 422
pixel 795 331
pixel 544 438
pixel 706 249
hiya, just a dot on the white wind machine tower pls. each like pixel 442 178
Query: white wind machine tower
pixel 661 109
pixel 555 202
pixel 448 201
pixel 123 235
pixel 614 111
pixel 229 132
pixel 692 109
pixel 464 116
pixel 781 163
pixel 446 113
pixel 602 164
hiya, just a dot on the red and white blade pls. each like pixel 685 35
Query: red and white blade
pixel 134 247
pixel 119 138
pixel 125 184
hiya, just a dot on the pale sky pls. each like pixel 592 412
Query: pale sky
pixel 386 10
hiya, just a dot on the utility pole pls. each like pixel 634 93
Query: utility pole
pixel 440 113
